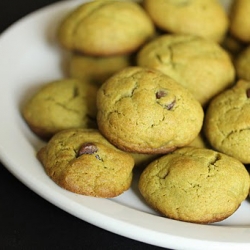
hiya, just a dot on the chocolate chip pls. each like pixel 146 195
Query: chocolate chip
pixel 87 148
pixel 160 94
pixel 248 93
pixel 170 105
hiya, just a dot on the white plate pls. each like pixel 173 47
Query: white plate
pixel 29 57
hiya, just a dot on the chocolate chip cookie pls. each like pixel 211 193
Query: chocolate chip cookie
pixel 142 110
pixel 84 162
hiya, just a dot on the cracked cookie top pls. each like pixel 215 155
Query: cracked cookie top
pixel 61 104
pixel 83 161
pixel 102 28
pixel 227 121
pixel 145 111
pixel 201 66
pixel 195 185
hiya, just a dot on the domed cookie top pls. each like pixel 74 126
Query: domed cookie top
pixel 61 104
pixel 240 21
pixel 227 122
pixel 83 161
pixel 145 111
pixel 102 28
pixel 193 17
pixel 195 185
pixel 200 65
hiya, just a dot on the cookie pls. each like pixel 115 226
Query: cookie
pixel 199 141
pixel 61 104
pixel 232 45
pixel 242 64
pixel 84 162
pixel 142 110
pixel 240 21
pixel 227 122
pixel 96 69
pixel 142 160
pixel 195 185
pixel 200 65
pixel 192 17
pixel 105 28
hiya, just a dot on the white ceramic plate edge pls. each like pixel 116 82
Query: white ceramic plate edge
pixel 103 213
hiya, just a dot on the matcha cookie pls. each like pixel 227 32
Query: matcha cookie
pixel 61 104
pixel 142 110
pixel 84 162
pixel 142 160
pixel 201 66
pixel 195 185
pixel 240 21
pixel 103 28
pixel 232 45
pixel 242 64
pixel 194 17
pixel 227 122
pixel 96 69
pixel 199 141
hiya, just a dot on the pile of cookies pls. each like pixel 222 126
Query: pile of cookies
pixel 158 87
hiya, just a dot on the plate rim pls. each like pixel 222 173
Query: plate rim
pixel 120 223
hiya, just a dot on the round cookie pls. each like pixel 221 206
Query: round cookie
pixel 84 162
pixel 242 64
pixel 201 66
pixel 227 122
pixel 194 17
pixel 239 20
pixel 103 28
pixel 96 69
pixel 195 185
pixel 142 110
pixel 61 104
